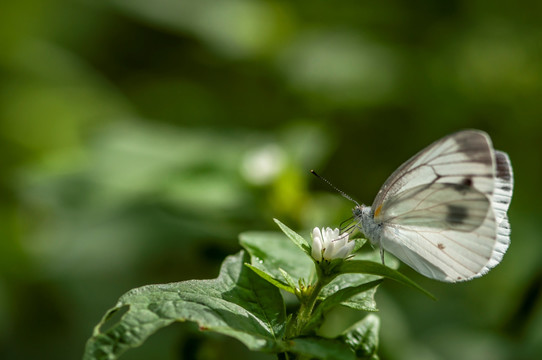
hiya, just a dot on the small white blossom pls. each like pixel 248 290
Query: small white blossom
pixel 262 165
pixel 329 244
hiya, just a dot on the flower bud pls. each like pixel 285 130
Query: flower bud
pixel 329 244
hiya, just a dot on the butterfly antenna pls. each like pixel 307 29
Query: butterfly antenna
pixel 345 195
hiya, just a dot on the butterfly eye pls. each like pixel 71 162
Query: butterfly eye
pixel 357 212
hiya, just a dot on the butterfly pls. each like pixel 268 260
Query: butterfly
pixel 444 211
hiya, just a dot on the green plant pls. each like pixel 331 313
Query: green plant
pixel 244 301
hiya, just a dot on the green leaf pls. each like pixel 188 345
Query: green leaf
pixel 363 337
pixel 374 256
pixel 238 303
pixel 288 279
pixel 374 268
pixel 273 253
pixel 364 300
pixel 359 244
pixel 342 297
pixel 271 280
pixel 320 348
pixel 296 238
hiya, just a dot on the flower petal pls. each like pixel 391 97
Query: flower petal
pixel 325 238
pixel 345 250
pixel 316 250
pixel 330 251
pixel 317 234
pixel 341 240
pixel 332 244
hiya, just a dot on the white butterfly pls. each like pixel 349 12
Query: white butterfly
pixel 443 212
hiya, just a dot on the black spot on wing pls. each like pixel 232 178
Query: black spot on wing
pixel 441 246
pixel 467 181
pixel 503 167
pixel 456 215
pixel 461 187
pixel 464 186
pixel 475 145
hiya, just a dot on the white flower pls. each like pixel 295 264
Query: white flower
pixel 328 244
pixel 262 165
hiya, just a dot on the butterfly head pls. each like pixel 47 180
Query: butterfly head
pixel 364 218
pixel 361 212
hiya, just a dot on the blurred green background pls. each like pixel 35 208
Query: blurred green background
pixel 139 138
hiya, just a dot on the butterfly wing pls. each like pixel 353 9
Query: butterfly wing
pixel 502 196
pixel 443 231
pixel 466 157
pixel 504 185
pixel 439 205
pixel 443 212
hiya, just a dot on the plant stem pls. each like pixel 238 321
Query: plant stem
pixel 307 306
